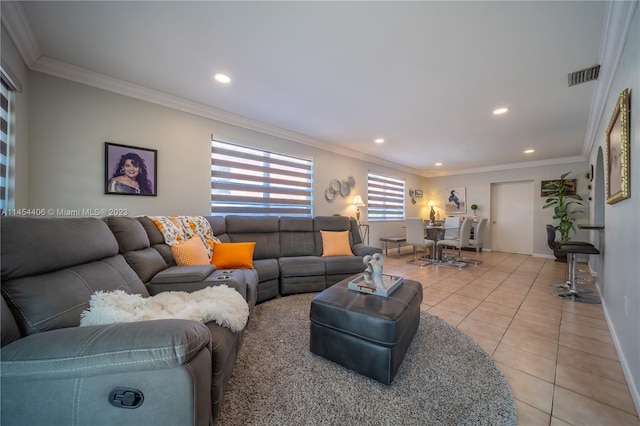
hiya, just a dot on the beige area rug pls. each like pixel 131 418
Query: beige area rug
pixel 445 379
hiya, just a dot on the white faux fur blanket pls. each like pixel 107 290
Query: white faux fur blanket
pixel 221 304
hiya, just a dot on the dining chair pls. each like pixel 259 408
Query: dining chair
pixel 475 242
pixel 416 238
pixel 451 228
pixel 478 235
pixel 461 241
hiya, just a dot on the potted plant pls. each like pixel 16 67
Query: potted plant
pixel 474 207
pixel 565 205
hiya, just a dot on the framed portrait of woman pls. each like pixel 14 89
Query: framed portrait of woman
pixel 618 164
pixel 130 170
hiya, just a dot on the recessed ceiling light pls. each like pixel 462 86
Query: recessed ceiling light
pixel 529 151
pixel 500 111
pixel 222 78
pixel 438 164
pixel 379 140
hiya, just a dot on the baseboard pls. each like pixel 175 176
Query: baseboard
pixel 633 387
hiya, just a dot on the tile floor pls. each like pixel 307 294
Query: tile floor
pixel 558 356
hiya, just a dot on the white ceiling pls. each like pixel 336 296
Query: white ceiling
pixel 425 76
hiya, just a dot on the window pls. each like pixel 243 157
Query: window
pixel 386 198
pixel 249 181
pixel 9 84
pixel 4 145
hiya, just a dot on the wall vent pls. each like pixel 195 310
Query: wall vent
pixel 584 75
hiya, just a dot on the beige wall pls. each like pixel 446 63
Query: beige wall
pixel 72 121
pixel 620 282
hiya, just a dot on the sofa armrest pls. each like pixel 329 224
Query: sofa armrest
pixel 183 274
pixel 364 250
pixel 106 349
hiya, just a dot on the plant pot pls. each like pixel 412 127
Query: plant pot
pixel 560 256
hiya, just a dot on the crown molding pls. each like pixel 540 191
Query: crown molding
pixel 617 24
pixel 512 166
pixel 18 28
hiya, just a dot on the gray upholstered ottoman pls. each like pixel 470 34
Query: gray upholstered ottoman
pixel 365 333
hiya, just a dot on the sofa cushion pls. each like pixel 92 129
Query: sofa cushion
pixel 343 265
pixel 233 255
pixel 259 229
pixel 191 252
pixel 56 299
pixel 129 233
pixel 147 262
pixel 218 224
pixel 335 243
pixel 55 243
pixel 268 269
pixel 302 266
pixel 10 330
pixel 154 234
pixel 296 236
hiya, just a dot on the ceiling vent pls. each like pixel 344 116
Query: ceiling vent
pixel 584 75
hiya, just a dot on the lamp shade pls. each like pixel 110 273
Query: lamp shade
pixel 357 201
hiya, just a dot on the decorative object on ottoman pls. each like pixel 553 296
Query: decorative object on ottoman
pixel 365 333
pixel 373 281
pixel 373 271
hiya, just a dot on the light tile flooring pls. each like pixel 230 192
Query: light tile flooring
pixel 558 356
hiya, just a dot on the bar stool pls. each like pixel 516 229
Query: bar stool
pixel 573 294
pixel 555 245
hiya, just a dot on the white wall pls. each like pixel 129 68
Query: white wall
pixel 621 278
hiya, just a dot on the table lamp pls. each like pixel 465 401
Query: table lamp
pixel 357 201
pixel 432 215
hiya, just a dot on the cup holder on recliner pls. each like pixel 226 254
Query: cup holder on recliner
pixel 223 277
pixel 226 272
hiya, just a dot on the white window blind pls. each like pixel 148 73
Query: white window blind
pixel 386 198
pixel 247 181
pixel 4 145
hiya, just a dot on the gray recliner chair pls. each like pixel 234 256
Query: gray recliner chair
pixel 55 372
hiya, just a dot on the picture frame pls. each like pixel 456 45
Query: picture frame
pixel 130 170
pixel 570 183
pixel 456 201
pixel 618 151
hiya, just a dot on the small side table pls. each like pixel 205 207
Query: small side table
pixel 364 231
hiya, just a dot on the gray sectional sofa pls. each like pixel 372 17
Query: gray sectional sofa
pixel 55 372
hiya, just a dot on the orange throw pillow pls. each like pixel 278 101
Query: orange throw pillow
pixel 335 243
pixel 191 252
pixel 233 255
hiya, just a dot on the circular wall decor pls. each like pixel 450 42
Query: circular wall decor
pixel 329 194
pixel 345 190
